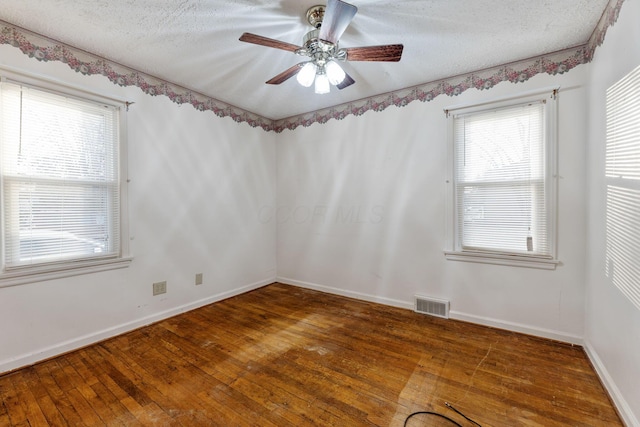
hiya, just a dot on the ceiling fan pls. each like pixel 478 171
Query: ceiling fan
pixel 321 46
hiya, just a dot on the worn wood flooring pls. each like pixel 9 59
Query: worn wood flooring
pixel 286 356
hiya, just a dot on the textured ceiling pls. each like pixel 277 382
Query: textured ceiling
pixel 194 43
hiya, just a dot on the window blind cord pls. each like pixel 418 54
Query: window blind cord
pixel 436 414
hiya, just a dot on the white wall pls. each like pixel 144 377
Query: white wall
pixel 361 212
pixel 197 184
pixel 612 334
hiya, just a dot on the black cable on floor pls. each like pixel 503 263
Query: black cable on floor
pixel 431 413
pixel 448 405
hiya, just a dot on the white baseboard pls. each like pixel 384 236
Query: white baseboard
pixel 621 405
pixel 624 409
pixel 517 327
pixel 83 341
pixel 344 293
pixel 495 323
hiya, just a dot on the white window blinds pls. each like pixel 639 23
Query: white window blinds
pixel 500 176
pixel 623 128
pixel 60 177
pixel 622 169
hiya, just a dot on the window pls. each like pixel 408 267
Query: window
pixel 501 182
pixel 622 170
pixel 60 183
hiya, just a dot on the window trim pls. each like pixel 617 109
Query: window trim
pixel 452 250
pixel 41 272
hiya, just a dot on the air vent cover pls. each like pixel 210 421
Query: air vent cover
pixel 432 306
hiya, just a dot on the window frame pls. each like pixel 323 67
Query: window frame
pixel 622 182
pixel 72 267
pixel 453 250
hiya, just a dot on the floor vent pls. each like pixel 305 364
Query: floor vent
pixel 432 306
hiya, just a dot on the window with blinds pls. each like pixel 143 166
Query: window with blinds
pixel 59 160
pixel 501 179
pixel 622 170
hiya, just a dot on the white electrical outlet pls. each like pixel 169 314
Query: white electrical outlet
pixel 159 288
pixel 198 278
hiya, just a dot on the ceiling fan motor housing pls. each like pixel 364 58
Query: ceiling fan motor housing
pixel 319 51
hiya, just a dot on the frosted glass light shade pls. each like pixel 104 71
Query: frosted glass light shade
pixel 306 75
pixel 334 73
pixel 322 84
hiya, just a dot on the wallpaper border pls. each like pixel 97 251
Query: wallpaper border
pixel 43 48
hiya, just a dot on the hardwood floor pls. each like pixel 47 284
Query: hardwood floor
pixel 286 356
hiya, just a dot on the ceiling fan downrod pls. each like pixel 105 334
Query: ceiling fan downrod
pixel 315 15
pixel 320 51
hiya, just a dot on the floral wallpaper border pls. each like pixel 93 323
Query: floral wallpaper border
pixel 517 72
pixel 608 18
pixel 45 49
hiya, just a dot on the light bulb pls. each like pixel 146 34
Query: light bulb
pixel 334 73
pixel 322 84
pixel 307 74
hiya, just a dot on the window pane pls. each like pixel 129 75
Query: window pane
pixel 501 145
pixel 623 128
pixel 511 206
pixel 622 170
pixel 500 173
pixel 60 177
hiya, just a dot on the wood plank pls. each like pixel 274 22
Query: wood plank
pixel 109 407
pixel 4 413
pixel 287 356
pixel 11 400
pixel 244 405
pixel 56 394
pixel 41 397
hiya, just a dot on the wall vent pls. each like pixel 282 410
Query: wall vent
pixel 432 306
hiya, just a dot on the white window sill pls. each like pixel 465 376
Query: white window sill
pixel 50 272
pixel 503 259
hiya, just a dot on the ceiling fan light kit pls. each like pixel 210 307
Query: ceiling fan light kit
pixel 335 73
pixel 322 84
pixel 321 46
pixel 307 74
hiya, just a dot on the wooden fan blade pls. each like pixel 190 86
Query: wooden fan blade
pixel 387 53
pixel 266 41
pixel 348 81
pixel 286 74
pixel 337 17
